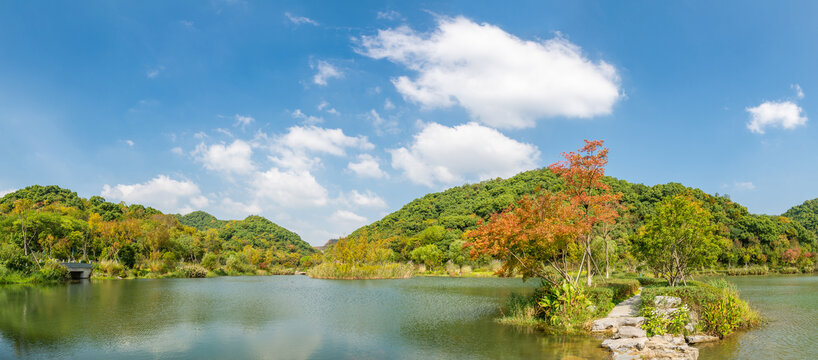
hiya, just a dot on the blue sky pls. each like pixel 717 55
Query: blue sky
pixel 324 116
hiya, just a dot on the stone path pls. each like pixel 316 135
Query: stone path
pixel 629 341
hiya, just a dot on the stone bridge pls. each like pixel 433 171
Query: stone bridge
pixel 78 270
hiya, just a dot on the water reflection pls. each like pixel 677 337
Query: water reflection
pixel 285 317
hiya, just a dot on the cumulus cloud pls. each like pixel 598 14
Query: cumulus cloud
pixel 299 20
pixel 389 15
pixel 346 216
pixel 177 151
pixel 233 158
pixel 784 114
pixel 324 106
pixel 129 143
pixel 501 80
pixel 366 199
pixel 325 72
pixel 448 155
pixel 366 166
pixel 161 192
pixel 382 126
pixel 322 140
pixel 153 73
pixel 289 188
pixel 6 192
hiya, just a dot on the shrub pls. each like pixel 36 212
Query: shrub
pixel 429 255
pixel 239 263
pixel 128 255
pixel 564 305
pixel 789 270
pixel 54 271
pixel 521 310
pixel 20 263
pixel 651 281
pixel 622 288
pixel 193 271
pixel 465 270
pixel 169 261
pixel 452 269
pixel 110 268
pixel 210 261
pixel 750 270
pixel 351 271
pixel 720 310
pixel 602 298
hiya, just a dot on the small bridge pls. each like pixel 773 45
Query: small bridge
pixel 78 270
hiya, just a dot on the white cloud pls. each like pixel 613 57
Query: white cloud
pixel 299 20
pixel 381 125
pixel 325 72
pixel 367 199
pixel 448 155
pixel 177 150
pixel 366 166
pixel 389 15
pixel 501 80
pixel 188 24
pixel 153 73
pixel 307 119
pixel 291 188
pixel 6 192
pixel 326 107
pixel 129 143
pixel 318 139
pixel 388 105
pixel 346 216
pixel 785 114
pixel 242 120
pixel 160 192
pixel 233 158
pixel 744 185
pixel 799 93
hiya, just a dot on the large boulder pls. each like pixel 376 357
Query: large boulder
pixel 630 332
pixel 623 345
pixel 695 339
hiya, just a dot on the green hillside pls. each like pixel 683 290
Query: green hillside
pixel 806 214
pixel 59 224
pixel 441 218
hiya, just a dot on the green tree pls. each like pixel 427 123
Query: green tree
pixel 677 237
pixel 429 255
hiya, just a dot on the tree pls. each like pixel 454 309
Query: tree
pixel 430 255
pixel 531 237
pixel 21 208
pixel 583 172
pixel 677 237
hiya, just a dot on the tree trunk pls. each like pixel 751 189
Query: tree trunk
pixel 607 269
pixel 588 264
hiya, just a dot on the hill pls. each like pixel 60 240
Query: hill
pixel 443 217
pixel 806 214
pixel 60 224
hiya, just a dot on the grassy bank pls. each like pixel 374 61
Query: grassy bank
pixel 16 272
pixel 360 272
pixel 715 306
pixel 567 308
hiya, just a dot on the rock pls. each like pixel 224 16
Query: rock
pixel 606 324
pixel 666 302
pixel 620 345
pixel 695 339
pixel 690 328
pixel 631 332
pixel 632 321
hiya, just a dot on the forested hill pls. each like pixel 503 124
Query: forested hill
pixel 63 225
pixel 806 214
pixel 458 210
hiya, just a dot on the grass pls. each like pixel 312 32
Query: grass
pixel 360 272
pixel 717 304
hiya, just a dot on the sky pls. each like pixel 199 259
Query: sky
pixel 326 116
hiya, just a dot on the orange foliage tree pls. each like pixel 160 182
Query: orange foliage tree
pixel 533 236
pixel 582 172
pixel 530 237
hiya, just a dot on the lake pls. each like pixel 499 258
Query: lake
pixel 295 317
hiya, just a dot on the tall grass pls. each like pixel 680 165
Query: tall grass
pixel 356 272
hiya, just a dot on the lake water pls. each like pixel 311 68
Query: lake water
pixel 295 317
